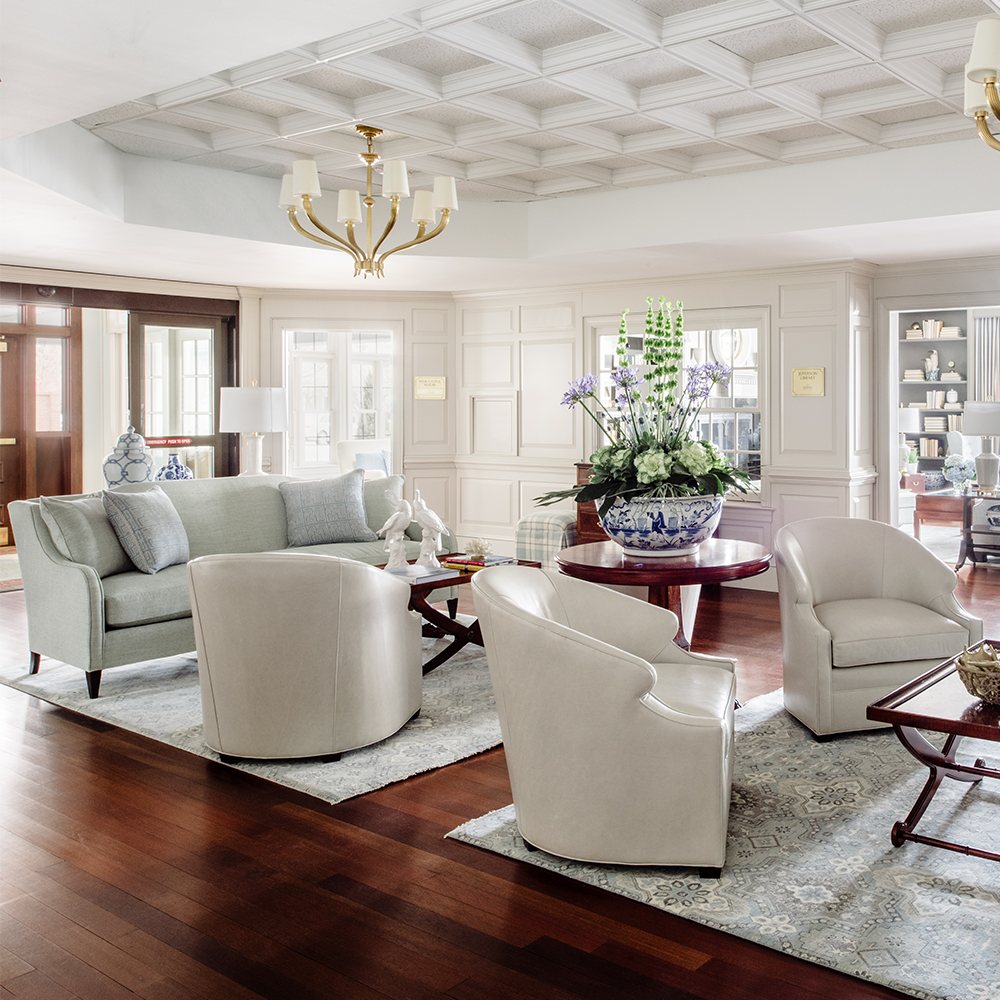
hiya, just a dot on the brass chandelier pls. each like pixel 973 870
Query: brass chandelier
pixel 302 185
pixel 981 73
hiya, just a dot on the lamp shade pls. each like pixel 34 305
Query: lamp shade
pixel 305 179
pixel 394 179
pixel 286 199
pixel 423 207
pixel 982 417
pixel 445 195
pixel 908 420
pixel 984 60
pixel 348 205
pixel 252 410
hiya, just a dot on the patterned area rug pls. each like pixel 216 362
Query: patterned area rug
pixel 810 870
pixel 161 699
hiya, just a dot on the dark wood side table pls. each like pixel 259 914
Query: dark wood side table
pixel 463 634
pixel 716 561
pixel 588 524
pixel 938 702
pixel 939 507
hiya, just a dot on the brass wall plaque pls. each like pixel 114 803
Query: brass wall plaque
pixel 808 381
pixel 429 387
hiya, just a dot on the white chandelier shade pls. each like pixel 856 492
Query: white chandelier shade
pixel 981 74
pixel 301 186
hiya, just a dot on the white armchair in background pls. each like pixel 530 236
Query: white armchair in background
pixel 864 608
pixel 378 450
pixel 619 744
pixel 302 655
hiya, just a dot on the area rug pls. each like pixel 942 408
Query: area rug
pixel 810 870
pixel 161 699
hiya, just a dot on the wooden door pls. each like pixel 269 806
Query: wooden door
pixel 41 406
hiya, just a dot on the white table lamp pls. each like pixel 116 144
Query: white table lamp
pixel 982 419
pixel 255 411
pixel 908 422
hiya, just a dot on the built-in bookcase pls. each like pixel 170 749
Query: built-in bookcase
pixel 939 401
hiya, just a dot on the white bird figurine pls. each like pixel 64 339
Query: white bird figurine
pixel 432 527
pixel 394 530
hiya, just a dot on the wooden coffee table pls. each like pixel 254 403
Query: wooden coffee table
pixel 442 623
pixel 939 703
pixel 716 561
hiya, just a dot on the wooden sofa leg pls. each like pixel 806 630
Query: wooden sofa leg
pixel 34 663
pixel 709 873
pixel 93 682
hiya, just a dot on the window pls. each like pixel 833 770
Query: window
pixel 341 388
pixel 50 383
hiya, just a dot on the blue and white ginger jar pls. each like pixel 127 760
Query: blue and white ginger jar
pixel 130 462
pixel 673 526
pixel 174 469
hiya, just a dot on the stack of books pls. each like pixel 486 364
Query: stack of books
pixel 930 448
pixel 932 327
pixel 955 422
pixel 468 564
pixel 915 333
pixel 935 399
pixel 412 573
pixel 951 376
pixel 950 331
pixel 913 375
pixel 935 425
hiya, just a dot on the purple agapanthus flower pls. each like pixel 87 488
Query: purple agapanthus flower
pixel 579 389
pixel 626 378
pixel 701 378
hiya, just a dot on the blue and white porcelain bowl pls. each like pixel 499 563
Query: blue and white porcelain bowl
pixel 674 526
pixel 993 514
pixel 934 481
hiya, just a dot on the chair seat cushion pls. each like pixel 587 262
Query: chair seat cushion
pixel 884 630
pixel 161 597
pixel 705 692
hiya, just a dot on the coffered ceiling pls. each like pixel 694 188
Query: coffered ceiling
pixel 531 100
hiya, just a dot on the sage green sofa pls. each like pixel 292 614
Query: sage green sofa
pixel 94 623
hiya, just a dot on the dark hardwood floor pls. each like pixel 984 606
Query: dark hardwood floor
pixel 134 869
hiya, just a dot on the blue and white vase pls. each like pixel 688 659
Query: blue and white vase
pixel 174 469
pixel 130 462
pixel 674 526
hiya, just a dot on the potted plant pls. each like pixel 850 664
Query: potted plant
pixel 659 490
pixel 912 461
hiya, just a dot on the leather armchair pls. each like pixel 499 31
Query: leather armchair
pixel 864 609
pixel 302 655
pixel 619 744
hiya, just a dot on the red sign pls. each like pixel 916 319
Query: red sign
pixel 166 442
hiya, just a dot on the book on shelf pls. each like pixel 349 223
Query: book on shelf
pixel 935 399
pixel 930 448
pixel 412 573
pixel 914 334
pixel 932 327
pixel 950 331
pixel 955 421
pixel 952 406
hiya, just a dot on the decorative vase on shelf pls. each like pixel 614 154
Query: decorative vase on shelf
pixel 130 462
pixel 174 469
pixel 672 526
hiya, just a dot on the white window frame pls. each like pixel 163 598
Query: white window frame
pixel 282 331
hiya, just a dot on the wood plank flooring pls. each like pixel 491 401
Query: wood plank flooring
pixel 132 869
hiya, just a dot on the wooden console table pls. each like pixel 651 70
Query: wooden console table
pixel 937 508
pixel 953 508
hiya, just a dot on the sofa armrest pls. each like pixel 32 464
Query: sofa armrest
pixel 64 600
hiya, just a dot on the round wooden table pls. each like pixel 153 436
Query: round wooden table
pixel 717 560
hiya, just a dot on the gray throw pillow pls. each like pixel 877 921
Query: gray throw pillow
pixel 81 531
pixel 326 510
pixel 149 528
pixel 378 507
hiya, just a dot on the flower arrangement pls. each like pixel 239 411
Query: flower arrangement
pixel 653 452
pixel 959 470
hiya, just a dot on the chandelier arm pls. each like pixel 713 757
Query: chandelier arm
pixel 984 133
pixel 359 253
pixel 317 239
pixel 354 251
pixel 421 237
pixel 393 213
pixel 993 97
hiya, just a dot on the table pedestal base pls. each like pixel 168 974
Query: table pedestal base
pixel 664 596
pixel 942 765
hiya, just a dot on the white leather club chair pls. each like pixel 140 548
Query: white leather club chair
pixel 619 744
pixel 864 609
pixel 302 655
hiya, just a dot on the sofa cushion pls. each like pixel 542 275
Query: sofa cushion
pixel 326 510
pixel 371 461
pixel 148 527
pixel 131 599
pixel 884 630
pixel 82 532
